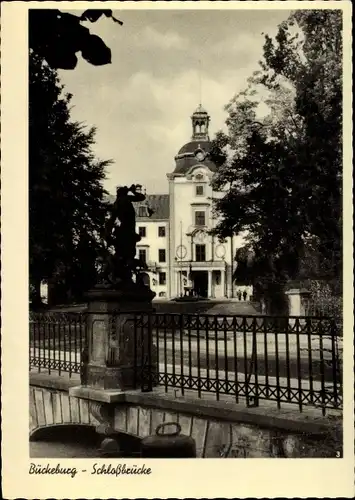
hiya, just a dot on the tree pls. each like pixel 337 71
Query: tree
pixel 58 36
pixel 66 195
pixel 283 173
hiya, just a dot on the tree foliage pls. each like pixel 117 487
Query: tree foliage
pixel 58 36
pixel 283 174
pixel 66 195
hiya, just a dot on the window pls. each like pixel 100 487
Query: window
pixel 200 218
pixel 161 231
pixel 162 255
pixel 142 232
pixel 142 255
pixel 200 253
pixel 199 190
pixel 162 278
pixel 142 211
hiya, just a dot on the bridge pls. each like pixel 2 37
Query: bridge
pixel 247 386
pixel 220 428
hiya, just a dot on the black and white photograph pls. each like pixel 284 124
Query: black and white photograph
pixel 185 235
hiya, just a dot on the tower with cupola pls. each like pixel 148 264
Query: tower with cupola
pixel 199 263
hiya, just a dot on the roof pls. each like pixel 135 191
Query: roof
pixel 157 202
pixel 185 159
pixel 200 110
pixel 190 147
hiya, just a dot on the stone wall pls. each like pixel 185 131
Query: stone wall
pixel 222 439
pixel 220 429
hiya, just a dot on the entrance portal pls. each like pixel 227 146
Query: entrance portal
pixel 201 283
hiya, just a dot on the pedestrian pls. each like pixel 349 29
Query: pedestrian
pixel 245 295
pixel 239 295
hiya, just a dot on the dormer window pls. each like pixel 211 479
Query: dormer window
pixel 142 211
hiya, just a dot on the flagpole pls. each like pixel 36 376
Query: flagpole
pixel 181 259
pixel 200 83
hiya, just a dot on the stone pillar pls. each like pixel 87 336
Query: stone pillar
pixel 178 284
pixel 209 285
pixel 230 285
pixel 115 343
pixel 296 298
pixel 223 284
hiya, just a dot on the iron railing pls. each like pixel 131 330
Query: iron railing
pixel 57 342
pixel 292 360
pixel 296 360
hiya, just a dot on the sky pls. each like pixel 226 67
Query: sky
pixel 141 103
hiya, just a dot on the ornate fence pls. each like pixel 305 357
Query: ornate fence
pixel 287 360
pixel 57 342
pixel 245 358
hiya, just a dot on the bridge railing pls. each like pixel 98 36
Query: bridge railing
pixel 57 342
pixel 292 360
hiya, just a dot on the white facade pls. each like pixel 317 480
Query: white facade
pixel 199 262
pixel 196 263
pixel 153 248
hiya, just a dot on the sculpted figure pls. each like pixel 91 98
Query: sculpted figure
pixel 121 234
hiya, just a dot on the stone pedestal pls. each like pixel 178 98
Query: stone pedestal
pixel 120 345
pixel 297 298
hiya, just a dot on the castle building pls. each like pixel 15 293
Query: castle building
pixel 183 258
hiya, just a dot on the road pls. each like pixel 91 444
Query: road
pixel 279 356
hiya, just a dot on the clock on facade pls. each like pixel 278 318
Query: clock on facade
pixel 181 252
pixel 200 155
pixel 220 251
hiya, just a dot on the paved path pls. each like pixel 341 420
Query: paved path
pixel 266 345
pixel 283 359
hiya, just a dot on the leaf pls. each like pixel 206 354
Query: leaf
pixel 96 52
pixel 92 15
pixel 57 36
pixel 61 60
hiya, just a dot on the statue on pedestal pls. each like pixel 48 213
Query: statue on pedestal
pixel 118 267
pixel 128 357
